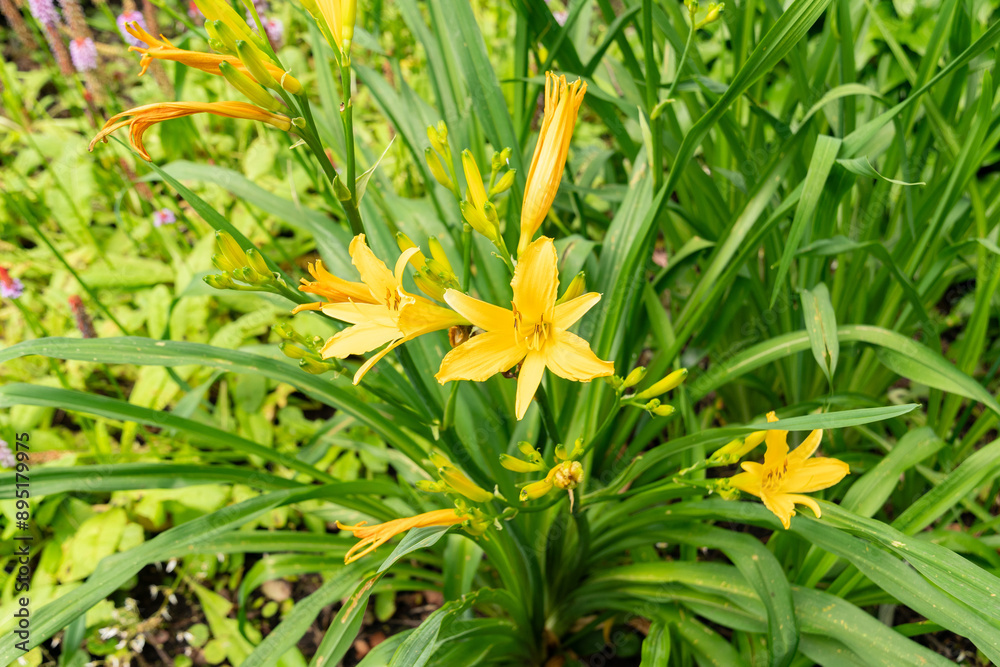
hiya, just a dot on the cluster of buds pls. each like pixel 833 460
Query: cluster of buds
pixel 438 157
pixel 477 208
pixel 243 270
pixel 648 398
pixel 727 455
pixel 306 350
pixel 453 481
pixel 566 474
pixel 712 15
pixel 432 275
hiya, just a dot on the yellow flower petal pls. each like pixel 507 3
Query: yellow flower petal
pixel 359 313
pixel 333 288
pixel 570 357
pixel 484 315
pixel 421 316
pixel 373 270
pixel 807 501
pixel 536 281
pixel 782 505
pixel 372 360
pixel 567 313
pixel 807 448
pixel 528 380
pixel 814 475
pixel 481 357
pixel 749 481
pixel 359 339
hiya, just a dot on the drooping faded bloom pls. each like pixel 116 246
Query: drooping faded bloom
pixel 164 216
pixel 10 288
pixel 380 310
pixel 83 52
pixel 161 49
pixel 533 333
pixel 126 17
pixel 562 103
pixel 372 537
pixel 142 118
pixel 782 479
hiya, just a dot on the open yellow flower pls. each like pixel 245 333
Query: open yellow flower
pixel 162 49
pixel 142 118
pixel 534 333
pixel 379 308
pixel 783 477
pixel 372 537
pixel 562 103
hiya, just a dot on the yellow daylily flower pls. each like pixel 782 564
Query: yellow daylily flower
pixel 562 103
pixel 162 49
pixel 372 537
pixel 379 308
pixel 782 479
pixel 534 333
pixel 142 118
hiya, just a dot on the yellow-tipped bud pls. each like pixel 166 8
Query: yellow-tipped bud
pixel 635 377
pixel 735 450
pixel 252 59
pixel 231 250
pixel 460 483
pixel 256 262
pixel 568 474
pixel 430 487
pixel 219 38
pixel 255 92
pixel 535 490
pixel 437 168
pixel 503 184
pixel 528 451
pixel 438 460
pixel 714 11
pixel 663 410
pixel 475 193
pixel 515 464
pixel 220 10
pixel 438 136
pixel 293 351
pixel 576 288
pixel 668 383
pixel 478 221
pixel 218 280
pixel 500 159
pixel 440 258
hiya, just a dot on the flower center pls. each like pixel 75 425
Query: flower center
pixel 532 334
pixel 773 477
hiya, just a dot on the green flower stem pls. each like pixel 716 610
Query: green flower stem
pixel 347 115
pixel 652 92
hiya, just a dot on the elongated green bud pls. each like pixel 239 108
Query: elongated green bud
pixel 515 464
pixel 220 10
pixel 663 410
pixel 257 263
pixel 437 169
pixel 635 377
pixel 461 484
pixel 255 92
pixel 438 136
pixel 218 280
pixel 293 351
pixel 231 250
pixel 503 184
pixel 252 59
pixel 668 383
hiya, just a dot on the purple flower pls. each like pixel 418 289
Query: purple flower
pixel 10 288
pixel 130 17
pixel 560 17
pixel 275 30
pixel 163 217
pixel 44 12
pixel 83 52
pixel 7 459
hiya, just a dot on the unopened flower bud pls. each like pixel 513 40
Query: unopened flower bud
pixel 437 169
pixel 255 92
pixel 257 263
pixel 663 410
pixel 429 486
pixel 515 464
pixel 293 351
pixel 635 377
pixel 500 159
pixel 503 184
pixel 218 280
pixel 535 490
pixel 438 137
pixel 460 483
pixel 668 383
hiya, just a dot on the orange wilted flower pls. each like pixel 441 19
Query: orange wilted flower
pixel 142 118
pixel 162 49
pixel 372 537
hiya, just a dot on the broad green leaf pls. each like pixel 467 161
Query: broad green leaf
pixel 415 539
pixel 821 325
pixel 345 625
